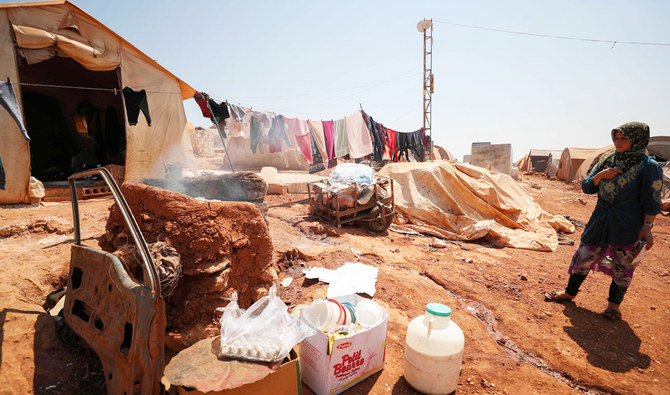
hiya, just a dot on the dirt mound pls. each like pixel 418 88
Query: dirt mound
pixel 224 247
pixel 48 225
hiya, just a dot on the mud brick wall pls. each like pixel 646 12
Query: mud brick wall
pixel 224 247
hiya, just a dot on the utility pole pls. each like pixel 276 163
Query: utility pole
pixel 426 27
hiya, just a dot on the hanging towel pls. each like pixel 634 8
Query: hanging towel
pixel 316 130
pixel 136 101
pixel 340 138
pixel 11 104
pixel 201 99
pixel 358 136
pixel 329 139
pixel 297 126
pixel 305 146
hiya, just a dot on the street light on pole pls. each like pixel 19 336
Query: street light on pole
pixel 426 27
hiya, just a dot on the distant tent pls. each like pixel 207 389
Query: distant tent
pixel 659 146
pixel 440 153
pixel 537 160
pixel 571 165
pixel 45 45
pixel 665 197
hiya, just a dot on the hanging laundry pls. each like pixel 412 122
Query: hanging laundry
pixel 237 112
pixel 265 120
pixel 11 104
pixel 340 138
pixel 255 136
pixel 358 136
pixel 201 99
pixel 329 139
pixel 317 162
pixel 391 144
pixel 378 140
pixel 297 126
pixel 219 111
pixel 411 141
pixel 136 101
pixel 277 134
pixel 300 131
pixel 316 130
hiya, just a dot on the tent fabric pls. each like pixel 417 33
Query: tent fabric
pixel 570 166
pixel 148 147
pixel 659 146
pixel 14 149
pixel 458 201
pixel 44 29
pixel 665 194
pixel 103 59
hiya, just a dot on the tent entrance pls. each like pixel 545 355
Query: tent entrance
pixel 73 116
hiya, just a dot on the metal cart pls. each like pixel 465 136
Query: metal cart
pixel 337 205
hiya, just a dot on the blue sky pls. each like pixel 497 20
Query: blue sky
pixel 322 59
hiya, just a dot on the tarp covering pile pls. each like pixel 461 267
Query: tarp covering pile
pixel 457 201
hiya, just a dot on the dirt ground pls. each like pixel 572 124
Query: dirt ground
pixel 515 342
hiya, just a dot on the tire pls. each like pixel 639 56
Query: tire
pixel 376 221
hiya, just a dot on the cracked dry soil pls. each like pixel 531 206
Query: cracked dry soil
pixel 516 343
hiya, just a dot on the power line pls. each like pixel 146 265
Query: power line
pixel 613 42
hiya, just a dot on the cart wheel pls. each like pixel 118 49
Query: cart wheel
pixel 379 219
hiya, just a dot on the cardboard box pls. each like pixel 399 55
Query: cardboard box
pixel 352 359
pixel 285 381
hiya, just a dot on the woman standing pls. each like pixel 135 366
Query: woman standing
pixel 628 183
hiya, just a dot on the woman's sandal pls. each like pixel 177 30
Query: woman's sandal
pixel 556 297
pixel 611 314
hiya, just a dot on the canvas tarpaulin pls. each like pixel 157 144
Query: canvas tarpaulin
pixel 14 149
pixel 458 201
pixel 47 29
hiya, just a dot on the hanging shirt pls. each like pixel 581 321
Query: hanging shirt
pixel 255 137
pixel 340 138
pixel 391 144
pixel 201 99
pixel 329 139
pixel 411 141
pixel 277 134
pixel 11 104
pixel 237 112
pixel 358 136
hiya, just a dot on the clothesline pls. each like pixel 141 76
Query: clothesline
pixel 115 90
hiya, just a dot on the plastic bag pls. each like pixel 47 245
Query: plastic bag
pixel 265 332
pixel 353 172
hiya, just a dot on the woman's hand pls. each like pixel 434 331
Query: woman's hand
pixel 607 174
pixel 645 234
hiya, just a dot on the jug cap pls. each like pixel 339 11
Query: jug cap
pixel 438 309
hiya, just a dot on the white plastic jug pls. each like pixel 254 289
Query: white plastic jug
pixel 433 351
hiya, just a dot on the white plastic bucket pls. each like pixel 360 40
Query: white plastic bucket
pixel 326 314
pixel 369 313
pixel 433 351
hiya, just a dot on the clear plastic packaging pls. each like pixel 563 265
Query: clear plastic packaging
pixel 264 332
